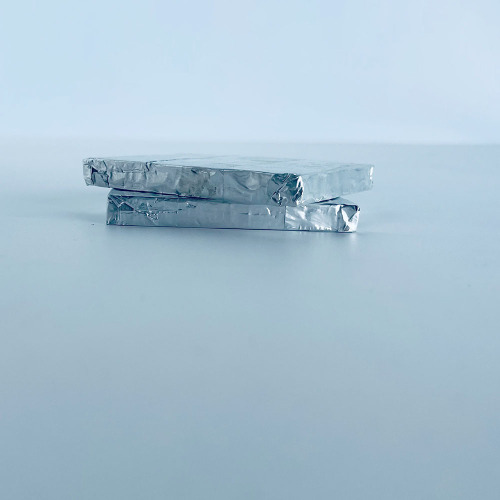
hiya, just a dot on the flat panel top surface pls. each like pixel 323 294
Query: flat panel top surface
pixel 234 162
pixel 137 194
pixel 278 365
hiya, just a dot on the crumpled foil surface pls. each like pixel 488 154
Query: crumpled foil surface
pixel 129 208
pixel 268 181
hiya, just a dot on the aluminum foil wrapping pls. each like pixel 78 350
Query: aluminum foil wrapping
pixel 129 208
pixel 267 181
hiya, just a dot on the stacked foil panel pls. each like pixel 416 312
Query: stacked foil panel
pixel 230 192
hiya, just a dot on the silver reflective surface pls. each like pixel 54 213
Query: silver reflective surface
pixel 273 181
pixel 128 208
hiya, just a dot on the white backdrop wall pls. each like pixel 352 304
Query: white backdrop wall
pixel 252 70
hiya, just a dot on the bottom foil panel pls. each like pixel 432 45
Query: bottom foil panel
pixel 132 208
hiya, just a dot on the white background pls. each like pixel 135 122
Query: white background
pixel 316 70
pixel 184 364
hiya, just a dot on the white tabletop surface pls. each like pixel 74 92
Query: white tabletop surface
pixel 163 363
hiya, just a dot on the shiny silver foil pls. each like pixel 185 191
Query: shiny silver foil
pixel 266 181
pixel 129 208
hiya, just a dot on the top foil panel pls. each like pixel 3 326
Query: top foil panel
pixel 231 179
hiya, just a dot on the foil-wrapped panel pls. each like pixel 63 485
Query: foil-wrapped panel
pixel 266 181
pixel 129 208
